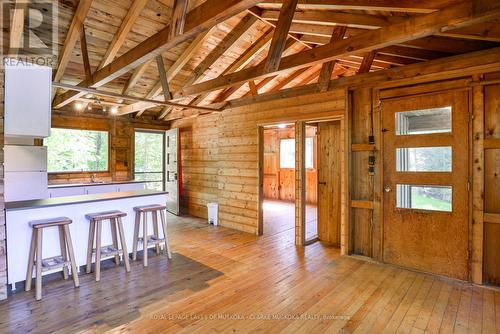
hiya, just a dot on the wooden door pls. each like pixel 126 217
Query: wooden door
pixel 426 205
pixel 329 182
pixel 172 170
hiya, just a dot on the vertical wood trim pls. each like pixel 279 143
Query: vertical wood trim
pixel 345 227
pixel 300 175
pixel 260 227
pixel 280 36
pixel 477 183
pixel 377 179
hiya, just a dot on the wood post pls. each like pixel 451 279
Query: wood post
pixel 300 190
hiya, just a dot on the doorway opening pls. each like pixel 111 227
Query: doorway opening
pixel 278 204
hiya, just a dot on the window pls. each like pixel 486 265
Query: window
pixel 287 153
pixel 149 158
pixel 434 198
pixel 77 150
pixel 423 159
pixel 426 121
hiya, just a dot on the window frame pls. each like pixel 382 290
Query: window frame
pixel 108 168
pixel 161 132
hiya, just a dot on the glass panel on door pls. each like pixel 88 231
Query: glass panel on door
pixel 425 121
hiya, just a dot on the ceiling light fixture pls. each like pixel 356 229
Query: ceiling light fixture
pixel 78 106
pixel 114 110
pixel 281 126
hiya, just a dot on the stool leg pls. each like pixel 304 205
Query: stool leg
pixel 124 245
pixel 98 251
pixel 112 224
pixel 29 271
pixel 155 229
pixel 69 245
pixel 136 235
pixel 145 240
pixel 164 226
pixel 38 286
pixel 64 253
pixel 90 248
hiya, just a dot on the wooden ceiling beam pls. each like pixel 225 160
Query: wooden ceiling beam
pixel 413 28
pixel 86 90
pixel 167 95
pixel 229 40
pixel 246 57
pixel 485 61
pixel 280 35
pixel 257 12
pixel 122 33
pixel 226 94
pixel 135 77
pixel 178 18
pixel 85 54
pixel 367 62
pixel 407 6
pixel 71 37
pixel 489 32
pixel 288 79
pixel 198 20
pixel 325 18
pixel 327 67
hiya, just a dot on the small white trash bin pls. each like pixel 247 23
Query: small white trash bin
pixel 213 213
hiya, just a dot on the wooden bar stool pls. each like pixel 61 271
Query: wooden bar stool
pixel 62 261
pixel 151 240
pixel 102 253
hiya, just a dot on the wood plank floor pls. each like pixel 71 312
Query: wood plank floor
pixel 221 280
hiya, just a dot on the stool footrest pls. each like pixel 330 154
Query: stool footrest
pixel 152 240
pixel 107 251
pixel 55 262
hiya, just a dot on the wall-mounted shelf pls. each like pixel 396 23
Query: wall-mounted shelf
pixel 492 218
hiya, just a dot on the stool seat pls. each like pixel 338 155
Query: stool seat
pixel 41 223
pixel 105 215
pixel 150 208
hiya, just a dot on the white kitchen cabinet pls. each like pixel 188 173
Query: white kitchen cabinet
pixel 28 92
pixel 66 191
pixel 25 158
pixel 129 186
pixel 105 188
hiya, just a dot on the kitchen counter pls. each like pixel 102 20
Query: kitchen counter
pixel 58 201
pixel 19 214
pixel 90 184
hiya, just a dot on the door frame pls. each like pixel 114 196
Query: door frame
pixel 345 232
pixel 422 90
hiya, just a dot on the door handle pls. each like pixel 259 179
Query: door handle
pixel 387 189
pixel 323 183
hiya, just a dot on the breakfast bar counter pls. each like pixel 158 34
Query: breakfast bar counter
pixel 19 214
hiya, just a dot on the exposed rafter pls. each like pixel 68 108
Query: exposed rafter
pixel 72 36
pixel 367 62
pixel 178 18
pixel 85 54
pixel 280 36
pixel 456 16
pixel 198 20
pixel 119 38
pixel 231 38
pixel 327 68
pixel 16 27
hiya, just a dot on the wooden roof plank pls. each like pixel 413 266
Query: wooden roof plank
pixel 413 28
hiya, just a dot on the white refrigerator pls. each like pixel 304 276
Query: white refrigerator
pixel 25 172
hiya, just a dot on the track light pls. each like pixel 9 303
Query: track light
pixel 78 106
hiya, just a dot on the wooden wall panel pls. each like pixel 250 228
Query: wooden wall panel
pixel 223 149
pixel 491 267
pixel 121 134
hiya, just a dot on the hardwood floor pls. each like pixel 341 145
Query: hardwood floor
pixel 279 216
pixel 221 280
